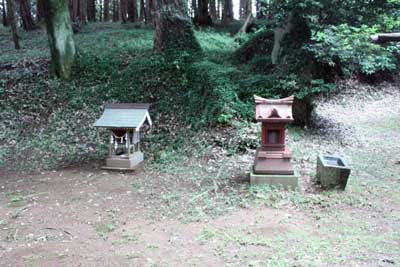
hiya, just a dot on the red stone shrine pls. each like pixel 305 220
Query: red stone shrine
pixel 273 159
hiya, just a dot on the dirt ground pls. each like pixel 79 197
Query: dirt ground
pixel 202 211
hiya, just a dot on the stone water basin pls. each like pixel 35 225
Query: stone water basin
pixel 332 171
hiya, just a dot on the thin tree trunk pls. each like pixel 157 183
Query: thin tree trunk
pixel 258 8
pixel 106 10
pixel 100 10
pixel 149 11
pixel 132 10
pixel 213 10
pixel 230 9
pixel 194 8
pixel 227 13
pixel 116 10
pixel 219 3
pixel 60 35
pixel 82 10
pixel 202 17
pixel 173 28
pixel 73 7
pixel 13 23
pixel 249 8
pixel 39 10
pixel 246 24
pixel 4 13
pixel 123 10
pixel 242 7
pixel 91 10
pixel 142 12
pixel 25 11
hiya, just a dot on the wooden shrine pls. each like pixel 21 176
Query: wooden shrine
pixel 273 164
pixel 125 122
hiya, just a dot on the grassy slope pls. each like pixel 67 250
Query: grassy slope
pixel 52 120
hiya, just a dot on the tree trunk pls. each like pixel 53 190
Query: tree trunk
pixel 123 10
pixel 39 10
pixel 116 10
pixel 302 111
pixel 173 28
pixel 91 10
pixel 73 7
pixel 279 35
pixel 194 8
pixel 149 11
pixel 106 10
pixel 219 3
pixel 82 10
pixel 227 13
pixel 202 18
pixel 100 10
pixel 25 11
pixel 132 10
pixel 242 7
pixel 248 8
pixel 213 10
pixel 4 13
pixel 142 12
pixel 13 23
pixel 60 35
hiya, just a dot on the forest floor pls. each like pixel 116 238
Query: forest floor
pixel 169 215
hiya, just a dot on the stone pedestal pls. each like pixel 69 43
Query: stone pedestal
pixel 123 162
pixel 287 181
pixel 273 162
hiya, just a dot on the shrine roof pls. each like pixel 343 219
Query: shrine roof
pixel 124 115
pixel 274 110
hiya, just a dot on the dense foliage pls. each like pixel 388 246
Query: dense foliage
pixel 323 41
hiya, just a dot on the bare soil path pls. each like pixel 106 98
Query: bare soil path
pixel 189 213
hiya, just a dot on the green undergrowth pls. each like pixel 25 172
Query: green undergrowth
pixel 48 123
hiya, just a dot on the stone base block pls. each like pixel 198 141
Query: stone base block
pixel 124 163
pixel 287 181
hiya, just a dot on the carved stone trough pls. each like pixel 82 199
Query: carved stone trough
pixel 332 171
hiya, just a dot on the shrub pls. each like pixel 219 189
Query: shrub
pixel 212 97
pixel 352 49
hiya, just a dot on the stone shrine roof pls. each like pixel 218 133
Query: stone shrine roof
pixel 274 110
pixel 124 115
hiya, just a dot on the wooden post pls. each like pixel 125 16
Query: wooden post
pixel 111 144
pixel 128 139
